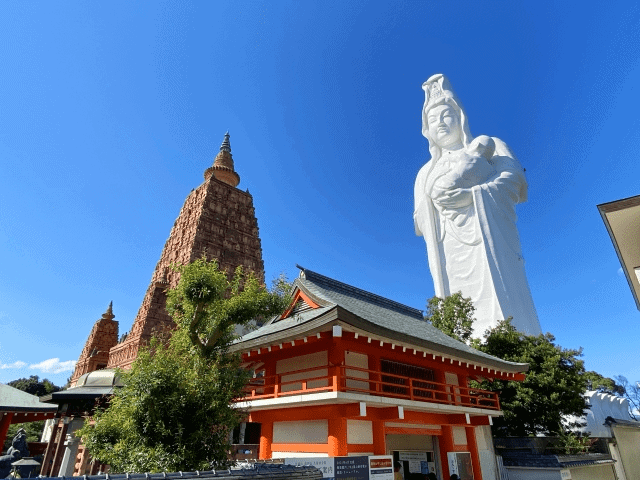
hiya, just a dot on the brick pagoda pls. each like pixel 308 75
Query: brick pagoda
pixel 217 220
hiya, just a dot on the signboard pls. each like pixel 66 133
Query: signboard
pixel 374 467
pixel 460 464
pixel 325 464
pixel 352 468
pixel 381 467
pixel 415 460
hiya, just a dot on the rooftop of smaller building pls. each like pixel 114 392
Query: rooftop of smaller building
pixel 14 400
pixel 90 385
pixel 369 312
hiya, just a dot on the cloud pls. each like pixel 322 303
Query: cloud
pixel 17 364
pixel 54 365
pixel 620 272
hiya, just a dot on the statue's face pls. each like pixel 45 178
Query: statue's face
pixel 444 125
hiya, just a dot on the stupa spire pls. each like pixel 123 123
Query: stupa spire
pixel 109 313
pixel 222 168
pixel 226 146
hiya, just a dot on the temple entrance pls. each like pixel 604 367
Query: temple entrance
pixel 415 465
pixel 415 453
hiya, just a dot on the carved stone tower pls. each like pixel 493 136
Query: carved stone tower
pixel 217 220
pixel 95 354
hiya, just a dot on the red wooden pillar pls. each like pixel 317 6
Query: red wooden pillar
pixel 266 439
pixel 5 421
pixel 270 373
pixel 473 448
pixel 374 364
pixel 379 444
pixel 337 437
pixel 445 442
pixel 336 360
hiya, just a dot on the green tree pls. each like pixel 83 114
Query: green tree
pixel 34 386
pixel 595 381
pixel 453 315
pixel 553 387
pixel 175 410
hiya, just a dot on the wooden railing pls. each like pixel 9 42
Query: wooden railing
pixel 370 382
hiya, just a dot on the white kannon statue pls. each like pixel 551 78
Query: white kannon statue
pixel 465 199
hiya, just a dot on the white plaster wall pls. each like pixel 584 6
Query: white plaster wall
pixel 48 429
pixel 597 472
pixel 486 453
pixel 359 432
pixel 308 431
pixel 301 362
pixel 459 436
pixel 409 442
pixel 298 454
pixel 360 360
pixel 516 473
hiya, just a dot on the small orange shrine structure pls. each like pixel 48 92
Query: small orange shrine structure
pixel 346 372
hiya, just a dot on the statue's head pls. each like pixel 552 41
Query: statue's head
pixel 443 119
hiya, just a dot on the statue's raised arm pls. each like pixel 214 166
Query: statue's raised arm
pixel 465 198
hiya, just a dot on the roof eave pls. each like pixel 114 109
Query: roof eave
pixel 340 316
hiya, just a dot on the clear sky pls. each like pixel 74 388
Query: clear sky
pixel 111 111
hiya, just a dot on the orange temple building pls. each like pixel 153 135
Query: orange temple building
pixel 347 372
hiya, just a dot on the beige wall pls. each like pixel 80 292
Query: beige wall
pixel 409 442
pixel 359 432
pixel 301 362
pixel 308 431
pixel 628 440
pixel 486 453
pixel 593 472
pixel 599 472
pixel 360 360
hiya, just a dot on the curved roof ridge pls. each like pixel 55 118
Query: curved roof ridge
pixel 332 284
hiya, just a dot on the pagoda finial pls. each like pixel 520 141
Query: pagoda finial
pixel 226 146
pixel 222 168
pixel 108 315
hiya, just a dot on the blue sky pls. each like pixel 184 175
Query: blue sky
pixel 111 111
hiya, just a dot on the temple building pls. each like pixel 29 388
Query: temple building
pixel 217 220
pixel 347 372
pixel 343 372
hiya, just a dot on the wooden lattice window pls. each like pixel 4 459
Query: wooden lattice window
pixel 420 375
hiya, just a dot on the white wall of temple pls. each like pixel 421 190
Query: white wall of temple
pixel 308 431
pixel 359 432
pixel 298 455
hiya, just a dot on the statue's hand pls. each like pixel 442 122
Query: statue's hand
pixel 456 198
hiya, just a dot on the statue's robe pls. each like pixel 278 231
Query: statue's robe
pixel 476 249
